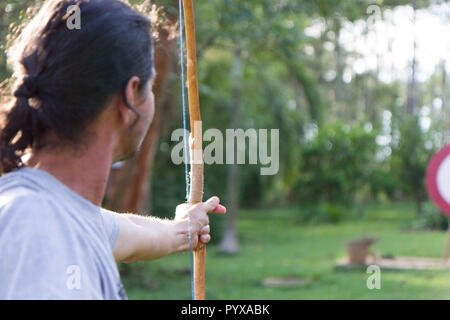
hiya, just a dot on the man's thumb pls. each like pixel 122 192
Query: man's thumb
pixel 211 203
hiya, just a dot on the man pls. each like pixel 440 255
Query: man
pixel 83 100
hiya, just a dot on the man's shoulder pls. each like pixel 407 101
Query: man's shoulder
pixel 18 195
pixel 29 214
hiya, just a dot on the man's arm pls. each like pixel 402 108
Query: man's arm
pixel 150 238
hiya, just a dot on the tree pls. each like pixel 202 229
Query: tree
pixel 409 160
pixel 230 242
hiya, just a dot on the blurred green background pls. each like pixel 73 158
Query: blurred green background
pixel 360 91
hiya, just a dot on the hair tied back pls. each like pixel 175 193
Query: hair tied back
pixel 28 88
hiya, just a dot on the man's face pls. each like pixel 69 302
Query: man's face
pixel 133 138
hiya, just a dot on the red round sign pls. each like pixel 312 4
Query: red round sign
pixel 438 180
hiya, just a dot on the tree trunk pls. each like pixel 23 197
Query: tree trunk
pixel 411 102
pixel 445 105
pixel 230 243
pixel 419 205
pixel 339 62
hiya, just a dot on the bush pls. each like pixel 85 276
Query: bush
pixel 431 218
pixel 409 160
pixel 322 213
pixel 383 183
pixel 335 164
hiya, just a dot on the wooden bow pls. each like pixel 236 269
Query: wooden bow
pixel 196 189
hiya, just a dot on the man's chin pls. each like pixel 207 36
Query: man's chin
pixel 129 155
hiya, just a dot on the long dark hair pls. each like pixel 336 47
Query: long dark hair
pixel 66 76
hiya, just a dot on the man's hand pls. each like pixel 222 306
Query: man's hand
pixel 199 220
pixel 149 238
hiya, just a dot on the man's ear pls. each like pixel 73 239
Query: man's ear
pixel 128 116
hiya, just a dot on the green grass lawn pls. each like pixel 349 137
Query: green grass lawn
pixel 274 244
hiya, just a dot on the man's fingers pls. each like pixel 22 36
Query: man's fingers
pixel 220 209
pixel 213 205
pixel 205 230
pixel 205 238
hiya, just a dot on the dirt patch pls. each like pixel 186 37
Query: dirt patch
pixel 285 282
pixel 398 263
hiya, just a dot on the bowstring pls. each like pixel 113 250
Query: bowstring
pixel 186 161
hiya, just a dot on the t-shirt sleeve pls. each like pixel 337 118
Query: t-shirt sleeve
pixel 111 226
pixel 40 258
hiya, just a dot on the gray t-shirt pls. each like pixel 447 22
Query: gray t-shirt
pixel 54 244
